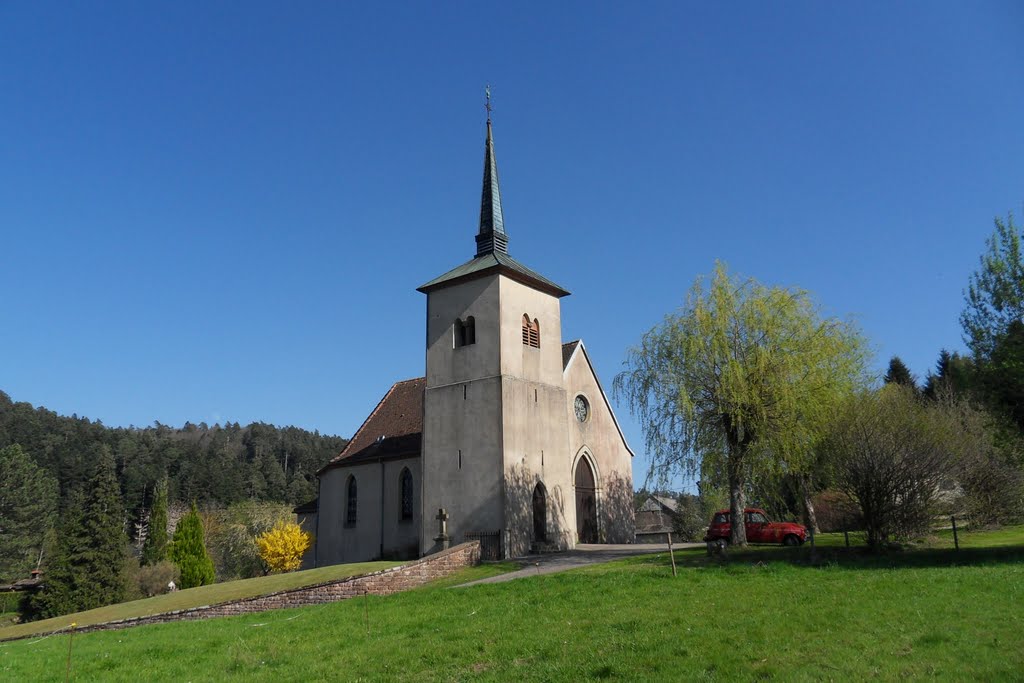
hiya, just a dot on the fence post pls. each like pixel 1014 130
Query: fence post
pixel 671 554
pixel 846 535
pixel 956 539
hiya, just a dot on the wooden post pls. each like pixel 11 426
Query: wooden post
pixel 956 539
pixel 366 609
pixel 67 668
pixel 672 554
pixel 846 535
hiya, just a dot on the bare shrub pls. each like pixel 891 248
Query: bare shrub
pixel 690 521
pixel 231 536
pixel 153 578
pixel 988 471
pixel 837 511
pixel 891 452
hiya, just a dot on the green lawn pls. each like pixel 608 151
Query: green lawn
pixel 763 613
pixel 197 597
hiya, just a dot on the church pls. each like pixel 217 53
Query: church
pixel 509 438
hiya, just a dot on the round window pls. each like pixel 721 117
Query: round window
pixel 582 409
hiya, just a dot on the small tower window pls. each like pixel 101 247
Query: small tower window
pixel 465 332
pixel 406 486
pixel 351 504
pixel 531 332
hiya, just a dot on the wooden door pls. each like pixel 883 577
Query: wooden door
pixel 586 503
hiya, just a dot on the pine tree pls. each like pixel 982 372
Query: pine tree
pixel 87 570
pixel 188 551
pixel 899 373
pixel 155 549
pixel 28 506
pixel 954 374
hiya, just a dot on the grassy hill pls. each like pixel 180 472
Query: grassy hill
pixel 197 597
pixel 762 614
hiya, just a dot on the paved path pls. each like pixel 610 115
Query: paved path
pixel 583 555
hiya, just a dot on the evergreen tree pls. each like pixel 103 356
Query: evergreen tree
pixel 28 509
pixel 995 295
pixel 188 551
pixel 1002 377
pixel 88 568
pixel 899 373
pixel 954 374
pixel 155 549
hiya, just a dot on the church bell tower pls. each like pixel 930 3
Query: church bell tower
pixel 494 423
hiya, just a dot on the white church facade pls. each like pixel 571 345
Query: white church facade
pixel 509 433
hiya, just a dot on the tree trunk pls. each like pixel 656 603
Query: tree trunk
pixel 810 519
pixel 737 504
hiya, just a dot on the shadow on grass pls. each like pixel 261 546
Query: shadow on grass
pixel 853 557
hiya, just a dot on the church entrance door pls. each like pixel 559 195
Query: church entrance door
pixel 540 514
pixel 586 503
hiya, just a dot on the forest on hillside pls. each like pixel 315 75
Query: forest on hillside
pixel 211 465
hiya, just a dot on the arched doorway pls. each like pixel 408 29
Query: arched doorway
pixel 586 503
pixel 540 514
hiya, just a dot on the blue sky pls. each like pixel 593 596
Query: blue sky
pixel 221 211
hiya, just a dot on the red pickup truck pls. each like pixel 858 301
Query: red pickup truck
pixel 760 529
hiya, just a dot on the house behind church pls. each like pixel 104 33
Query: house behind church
pixel 509 431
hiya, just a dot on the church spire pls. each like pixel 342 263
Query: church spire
pixel 491 236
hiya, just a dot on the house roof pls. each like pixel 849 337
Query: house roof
pixel 670 504
pixel 307 507
pixel 393 430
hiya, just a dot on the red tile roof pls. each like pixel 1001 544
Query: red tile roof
pixel 394 428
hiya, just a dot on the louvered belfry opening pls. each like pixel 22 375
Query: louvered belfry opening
pixel 465 332
pixel 531 332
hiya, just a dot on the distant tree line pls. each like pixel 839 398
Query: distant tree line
pixel 207 464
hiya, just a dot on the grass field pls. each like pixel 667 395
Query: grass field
pixel 764 613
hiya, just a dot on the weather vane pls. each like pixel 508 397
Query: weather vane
pixel 487 106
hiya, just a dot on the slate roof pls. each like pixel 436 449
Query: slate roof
pixel 494 262
pixel 393 430
pixel 307 507
pixel 567 349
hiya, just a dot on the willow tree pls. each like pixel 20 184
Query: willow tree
pixel 741 381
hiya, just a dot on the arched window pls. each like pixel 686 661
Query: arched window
pixel 351 502
pixel 406 489
pixel 540 513
pixel 465 332
pixel 531 332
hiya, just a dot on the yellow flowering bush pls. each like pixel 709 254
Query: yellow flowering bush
pixel 283 546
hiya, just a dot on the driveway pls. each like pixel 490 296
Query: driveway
pixel 583 555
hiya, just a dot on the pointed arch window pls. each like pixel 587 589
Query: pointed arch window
pixel 351 502
pixel 465 332
pixel 531 332
pixel 406 489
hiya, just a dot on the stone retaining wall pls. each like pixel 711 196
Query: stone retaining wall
pixel 385 582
